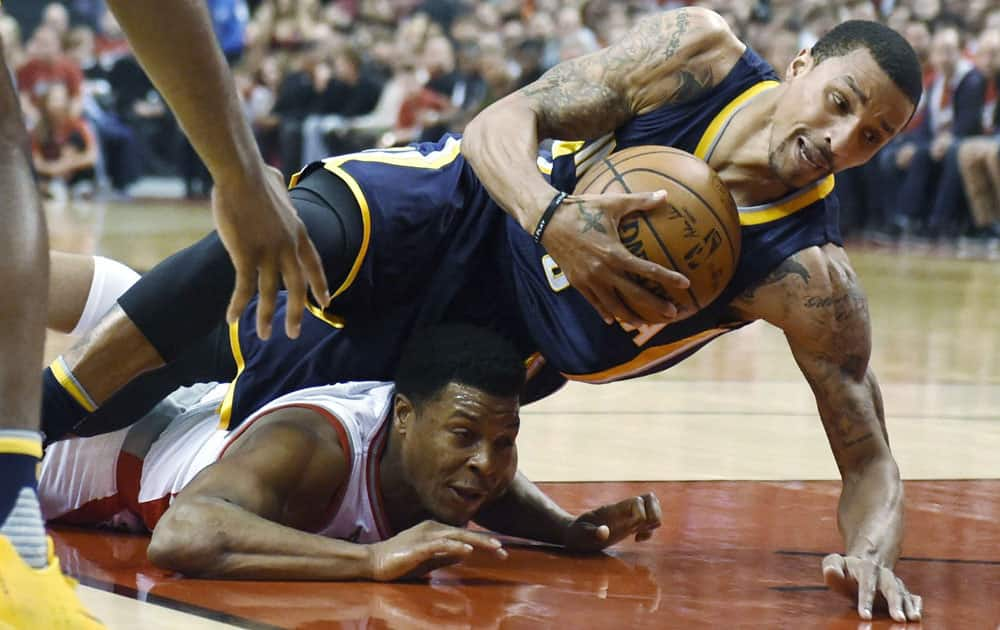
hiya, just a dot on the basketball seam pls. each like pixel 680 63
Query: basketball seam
pixel 620 179
pixel 732 249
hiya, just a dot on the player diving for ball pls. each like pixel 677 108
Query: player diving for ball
pixel 368 480
pixel 444 232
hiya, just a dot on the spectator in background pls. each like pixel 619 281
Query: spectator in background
pixel 45 65
pixel 63 148
pixel 979 158
pixel 56 17
pixel 926 159
pixel 118 155
pixel 110 42
pixel 229 20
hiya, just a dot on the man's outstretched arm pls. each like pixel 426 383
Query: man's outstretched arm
pixel 242 517
pixel 816 299
pixel 670 57
pixel 527 512
pixel 268 243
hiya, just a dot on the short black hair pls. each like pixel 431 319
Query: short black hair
pixel 458 353
pixel 890 50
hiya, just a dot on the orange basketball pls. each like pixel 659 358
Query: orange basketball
pixel 696 232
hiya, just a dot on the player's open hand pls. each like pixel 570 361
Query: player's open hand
pixel 268 245
pixel 607 525
pixel 869 583
pixel 425 547
pixel 582 238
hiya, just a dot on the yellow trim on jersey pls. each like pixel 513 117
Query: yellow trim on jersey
pixel 226 408
pixel 21 446
pixel 565 147
pixel 69 383
pixel 790 205
pixel 544 166
pixel 366 220
pixel 719 122
pixel 334 320
pixel 404 156
pixel 647 359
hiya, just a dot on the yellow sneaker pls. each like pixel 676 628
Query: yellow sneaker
pixel 36 599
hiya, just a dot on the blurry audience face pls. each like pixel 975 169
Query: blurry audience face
pixel 541 26
pixel 782 46
pixel 346 67
pixel 81 45
pixel 44 44
pixel 945 50
pixel 439 56
pixel 919 37
pixel 988 52
pixel 57 18
pixel 992 20
pixel 513 33
pixel 568 20
pixel 56 102
pixel 110 27
pixel 899 18
pixel 926 10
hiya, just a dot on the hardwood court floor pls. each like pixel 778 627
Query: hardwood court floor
pixel 725 439
pixel 730 554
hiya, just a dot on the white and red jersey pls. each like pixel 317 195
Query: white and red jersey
pixel 127 479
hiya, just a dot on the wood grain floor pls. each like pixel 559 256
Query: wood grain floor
pixel 737 411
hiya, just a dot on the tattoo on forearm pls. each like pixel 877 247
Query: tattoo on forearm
pixel 591 220
pixel 790 266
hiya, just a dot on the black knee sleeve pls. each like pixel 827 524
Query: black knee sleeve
pixel 184 297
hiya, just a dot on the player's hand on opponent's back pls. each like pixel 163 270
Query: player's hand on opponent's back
pixel 582 238
pixel 863 580
pixel 268 244
pixel 427 546
pixel 598 529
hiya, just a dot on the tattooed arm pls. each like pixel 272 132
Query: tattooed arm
pixel 668 57
pixel 814 297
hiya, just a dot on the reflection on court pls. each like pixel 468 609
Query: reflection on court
pixel 730 552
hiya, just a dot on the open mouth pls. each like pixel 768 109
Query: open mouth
pixel 810 156
pixel 466 494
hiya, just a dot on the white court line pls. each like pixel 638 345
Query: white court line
pixel 118 612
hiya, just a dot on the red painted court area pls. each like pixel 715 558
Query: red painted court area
pixel 730 554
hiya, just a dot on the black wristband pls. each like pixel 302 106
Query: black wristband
pixel 547 216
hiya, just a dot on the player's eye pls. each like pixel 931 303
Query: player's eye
pixel 840 103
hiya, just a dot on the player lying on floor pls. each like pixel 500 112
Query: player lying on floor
pixel 358 480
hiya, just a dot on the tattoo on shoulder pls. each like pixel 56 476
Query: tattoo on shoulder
pixel 680 27
pixel 789 267
pixel 691 87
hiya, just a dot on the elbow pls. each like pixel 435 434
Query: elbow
pixel 186 541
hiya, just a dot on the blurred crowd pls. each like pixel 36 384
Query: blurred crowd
pixel 321 78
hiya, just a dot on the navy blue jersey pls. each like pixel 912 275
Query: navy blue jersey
pixel 433 250
pixel 571 336
pixel 438 249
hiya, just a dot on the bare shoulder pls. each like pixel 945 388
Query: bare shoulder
pixel 688 50
pixel 812 295
pixel 668 57
pixel 280 441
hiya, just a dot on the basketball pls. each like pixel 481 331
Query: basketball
pixel 696 232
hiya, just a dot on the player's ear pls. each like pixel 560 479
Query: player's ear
pixel 402 413
pixel 802 63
